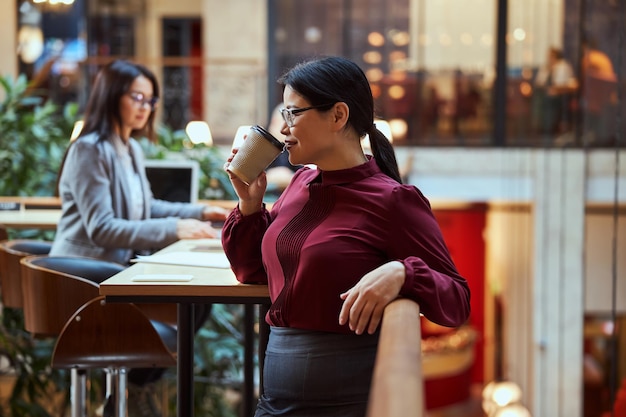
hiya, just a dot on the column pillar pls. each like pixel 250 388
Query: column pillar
pixel 8 39
pixel 558 307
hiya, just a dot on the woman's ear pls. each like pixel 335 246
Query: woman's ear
pixel 341 113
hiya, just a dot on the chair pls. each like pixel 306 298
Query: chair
pixel 61 299
pixel 11 251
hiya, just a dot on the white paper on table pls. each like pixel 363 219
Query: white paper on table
pixel 162 278
pixel 207 259
pixel 207 245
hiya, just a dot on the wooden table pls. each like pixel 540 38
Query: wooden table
pixel 34 213
pixel 30 219
pixel 208 285
pixel 45 212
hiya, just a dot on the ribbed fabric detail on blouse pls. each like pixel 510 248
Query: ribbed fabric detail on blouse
pixel 291 239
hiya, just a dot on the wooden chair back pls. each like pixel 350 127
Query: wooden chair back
pixel 102 335
pixel 51 297
pixel 11 252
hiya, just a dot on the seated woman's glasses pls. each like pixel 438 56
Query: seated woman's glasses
pixel 141 100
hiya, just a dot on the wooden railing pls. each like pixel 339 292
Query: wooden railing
pixel 398 384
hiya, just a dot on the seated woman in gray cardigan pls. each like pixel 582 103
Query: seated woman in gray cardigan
pixel 108 211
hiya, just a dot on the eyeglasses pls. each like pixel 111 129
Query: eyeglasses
pixel 289 115
pixel 141 100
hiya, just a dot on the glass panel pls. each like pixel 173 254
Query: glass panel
pixel 304 29
pixel 602 72
pixel 603 352
pixel 51 46
pixel 182 77
pixel 563 80
pixel 453 50
pixel 430 63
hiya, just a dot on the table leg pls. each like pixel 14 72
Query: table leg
pixel 264 334
pixel 185 360
pixel 248 361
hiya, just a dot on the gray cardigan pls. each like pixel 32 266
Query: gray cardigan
pixel 95 206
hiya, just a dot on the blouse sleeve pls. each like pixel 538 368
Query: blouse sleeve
pixel 432 279
pixel 241 238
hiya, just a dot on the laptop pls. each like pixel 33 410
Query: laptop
pixel 173 180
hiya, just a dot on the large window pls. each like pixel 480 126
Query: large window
pixel 432 65
pixel 437 67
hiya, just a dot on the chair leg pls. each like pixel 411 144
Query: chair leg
pixel 121 390
pixel 78 393
pixel 109 393
pixel 108 382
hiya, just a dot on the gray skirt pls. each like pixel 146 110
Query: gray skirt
pixel 312 374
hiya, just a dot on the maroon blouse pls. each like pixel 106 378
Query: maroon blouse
pixel 327 230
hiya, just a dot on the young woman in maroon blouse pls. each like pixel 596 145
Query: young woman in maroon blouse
pixel 344 240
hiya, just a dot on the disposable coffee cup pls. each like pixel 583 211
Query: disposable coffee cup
pixel 255 154
pixel 241 133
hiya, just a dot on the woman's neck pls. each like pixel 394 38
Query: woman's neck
pixel 124 134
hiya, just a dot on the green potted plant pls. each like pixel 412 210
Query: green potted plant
pixel 34 134
pixel 37 389
pixel 33 137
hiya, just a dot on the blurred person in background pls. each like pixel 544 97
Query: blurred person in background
pixel 599 95
pixel 555 85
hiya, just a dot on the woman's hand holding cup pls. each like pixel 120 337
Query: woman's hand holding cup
pixel 246 166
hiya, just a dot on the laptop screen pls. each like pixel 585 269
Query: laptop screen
pixel 175 180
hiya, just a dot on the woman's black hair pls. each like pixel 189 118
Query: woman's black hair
pixel 102 112
pixel 335 79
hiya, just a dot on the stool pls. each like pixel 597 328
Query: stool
pixel 61 299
